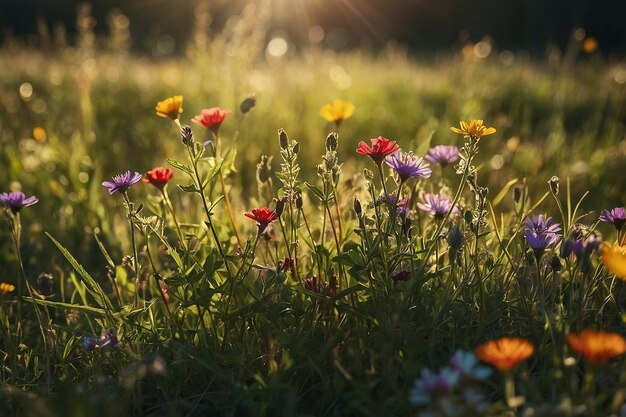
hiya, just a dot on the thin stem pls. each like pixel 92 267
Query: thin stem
pixel 130 213
pixel 229 209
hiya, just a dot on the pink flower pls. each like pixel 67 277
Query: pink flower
pixel 212 118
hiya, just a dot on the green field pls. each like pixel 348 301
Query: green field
pixel 240 335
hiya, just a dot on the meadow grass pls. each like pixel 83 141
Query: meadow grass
pixel 154 306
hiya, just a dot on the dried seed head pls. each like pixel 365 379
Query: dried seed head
pixel 264 168
pixel 296 148
pixel 554 185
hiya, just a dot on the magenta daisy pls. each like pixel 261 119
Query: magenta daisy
pixel 122 182
pixel 16 200
pixel 443 155
pixel 408 166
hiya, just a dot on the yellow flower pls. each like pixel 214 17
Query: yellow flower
pixel 5 288
pixel 337 110
pixel 473 128
pixel 170 107
pixel 614 258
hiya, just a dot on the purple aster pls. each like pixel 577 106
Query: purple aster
pixel 122 182
pixel 438 205
pixel 433 386
pixel 585 247
pixel 16 200
pixel 408 165
pixel 616 216
pixel 442 155
pixel 541 233
pixel 108 340
pixel 468 366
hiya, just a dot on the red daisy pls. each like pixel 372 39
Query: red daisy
pixel 380 149
pixel 212 118
pixel 263 217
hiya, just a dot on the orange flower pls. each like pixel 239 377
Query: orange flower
pixel 473 128
pixel 170 107
pixel 614 258
pixel 337 111
pixel 505 353
pixel 158 177
pixel 6 288
pixel 212 118
pixel 596 346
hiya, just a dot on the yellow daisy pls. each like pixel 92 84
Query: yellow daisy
pixel 337 110
pixel 170 107
pixel 473 128
pixel 614 258
pixel 5 288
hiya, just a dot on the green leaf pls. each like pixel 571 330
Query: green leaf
pixel 93 287
pixel 67 306
pixel 316 190
pixel 180 166
pixel 191 188
pixel 503 192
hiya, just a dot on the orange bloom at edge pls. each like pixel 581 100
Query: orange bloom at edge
pixel 614 258
pixel 170 107
pixel 597 346
pixel 337 110
pixel 473 128
pixel 505 353
pixel 6 288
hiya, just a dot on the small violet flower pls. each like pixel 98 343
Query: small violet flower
pixel 438 205
pixel 402 206
pixel 469 366
pixel 16 200
pixel 541 233
pixel 408 166
pixel 122 182
pixel 108 340
pixel 616 216
pixel 443 155
pixel 431 386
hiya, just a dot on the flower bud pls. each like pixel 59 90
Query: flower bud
pixel 45 284
pixel 299 201
pixel 517 192
pixel 247 104
pixel 554 185
pixel 555 263
pixel 331 141
pixel 280 206
pixel 283 140
pixel 186 135
pixel 296 148
pixel 357 207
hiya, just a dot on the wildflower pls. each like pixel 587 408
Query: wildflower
pixel 159 177
pixel 337 111
pixel 541 233
pixel 474 129
pixel 288 264
pixel 171 107
pixel 505 353
pixel 380 148
pixel 408 166
pixel 402 205
pixel 442 155
pixel 6 288
pixel 468 366
pixel 16 200
pixel 584 247
pixel 122 182
pixel 597 346
pixel 438 205
pixel 314 285
pixel 616 216
pixel 186 135
pixel 108 340
pixel 614 258
pixel 263 217
pixel 431 386
pixel 211 118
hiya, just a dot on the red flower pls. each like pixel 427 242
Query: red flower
pixel 158 177
pixel 263 217
pixel 212 118
pixel 380 149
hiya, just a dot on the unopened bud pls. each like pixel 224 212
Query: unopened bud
pixel 517 192
pixel 296 148
pixel 283 139
pixel 247 104
pixel 186 135
pixel 280 205
pixel 45 284
pixel 357 207
pixel 554 185
pixel 555 263
pixel 331 141
pixel 299 201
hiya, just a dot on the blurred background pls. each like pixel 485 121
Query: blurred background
pixel 161 26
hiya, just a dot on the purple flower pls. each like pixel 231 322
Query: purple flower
pixel 585 247
pixel 408 165
pixel 433 386
pixel 402 206
pixel 108 340
pixel 468 366
pixel 16 200
pixel 616 216
pixel 122 182
pixel 401 276
pixel 438 205
pixel 541 233
pixel 442 155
